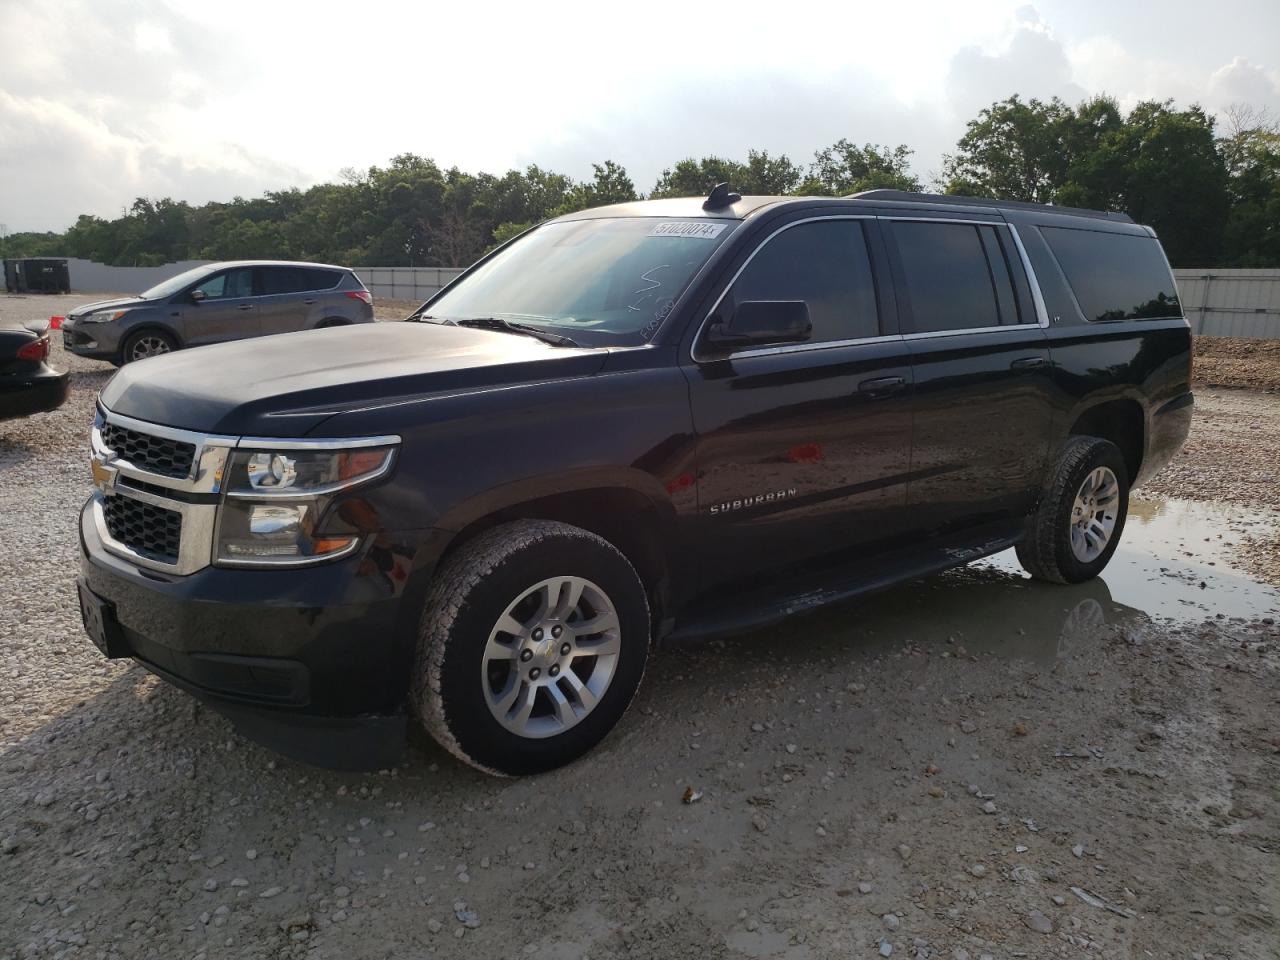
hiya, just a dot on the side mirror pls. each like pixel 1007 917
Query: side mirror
pixel 761 322
pixel 197 295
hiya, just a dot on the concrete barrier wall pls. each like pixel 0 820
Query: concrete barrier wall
pixel 388 283
pixel 1219 303
pixel 90 277
pixel 405 283
pixel 1231 303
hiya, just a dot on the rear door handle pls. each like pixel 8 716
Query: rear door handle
pixel 882 387
pixel 245 306
pixel 1028 363
pixel 308 302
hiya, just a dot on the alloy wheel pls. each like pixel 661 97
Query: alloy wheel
pixel 148 346
pixel 1093 514
pixel 551 657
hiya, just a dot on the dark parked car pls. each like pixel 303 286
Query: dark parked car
pixel 27 383
pixel 216 303
pixel 643 422
pixel 36 275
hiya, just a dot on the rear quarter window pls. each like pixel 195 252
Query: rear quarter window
pixel 1114 276
pixel 318 279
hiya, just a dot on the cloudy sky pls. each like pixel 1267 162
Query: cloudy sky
pixel 105 100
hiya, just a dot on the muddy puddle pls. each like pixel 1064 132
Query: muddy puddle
pixel 1176 563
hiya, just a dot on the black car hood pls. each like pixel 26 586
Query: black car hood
pixel 117 304
pixel 286 385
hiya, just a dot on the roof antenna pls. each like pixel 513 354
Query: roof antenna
pixel 721 196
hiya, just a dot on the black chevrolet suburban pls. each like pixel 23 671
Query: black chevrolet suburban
pixel 632 424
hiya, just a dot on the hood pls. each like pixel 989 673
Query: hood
pixel 119 304
pixel 288 384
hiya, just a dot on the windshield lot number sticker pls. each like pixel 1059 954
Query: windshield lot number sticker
pixel 691 231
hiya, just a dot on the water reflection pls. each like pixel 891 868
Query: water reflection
pixel 1178 560
pixel 1170 548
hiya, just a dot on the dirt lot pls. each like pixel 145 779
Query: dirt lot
pixel 971 766
pixel 1231 362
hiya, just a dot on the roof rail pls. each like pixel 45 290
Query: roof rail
pixel 907 195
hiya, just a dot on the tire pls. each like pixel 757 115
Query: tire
pixel 469 671
pixel 327 324
pixel 146 343
pixel 1065 546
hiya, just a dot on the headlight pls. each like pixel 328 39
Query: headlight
pixel 276 497
pixel 105 316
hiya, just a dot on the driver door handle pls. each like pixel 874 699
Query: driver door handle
pixel 1028 363
pixel 882 387
pixel 245 306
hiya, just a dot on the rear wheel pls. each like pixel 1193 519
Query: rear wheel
pixel 332 322
pixel 146 343
pixel 1076 529
pixel 533 641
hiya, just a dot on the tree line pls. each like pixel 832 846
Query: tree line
pixel 1212 194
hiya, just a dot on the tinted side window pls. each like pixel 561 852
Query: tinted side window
pixel 824 263
pixel 232 283
pixel 281 280
pixel 1115 276
pixel 948 277
pixel 318 279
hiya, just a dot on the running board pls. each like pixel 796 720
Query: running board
pixel 757 606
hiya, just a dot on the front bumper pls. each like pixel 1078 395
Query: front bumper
pixel 314 662
pixel 29 393
pixel 97 341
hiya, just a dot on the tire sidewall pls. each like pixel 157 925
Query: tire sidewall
pixel 1102 453
pixel 481 738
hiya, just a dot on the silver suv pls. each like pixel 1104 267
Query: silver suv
pixel 216 303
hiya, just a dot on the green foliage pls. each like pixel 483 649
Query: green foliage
pixel 761 175
pixel 1214 200
pixel 1210 200
pixel 843 168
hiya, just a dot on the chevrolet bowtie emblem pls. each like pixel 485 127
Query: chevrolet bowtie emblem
pixel 104 477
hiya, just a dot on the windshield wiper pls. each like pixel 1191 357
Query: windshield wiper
pixel 507 326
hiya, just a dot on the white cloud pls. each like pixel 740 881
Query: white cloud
pixel 105 100
pixel 1243 82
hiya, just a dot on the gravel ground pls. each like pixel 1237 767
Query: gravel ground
pixel 387 309
pixel 971 766
pixel 1237 362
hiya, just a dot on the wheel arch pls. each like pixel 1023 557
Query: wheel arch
pixel 1123 421
pixel 639 524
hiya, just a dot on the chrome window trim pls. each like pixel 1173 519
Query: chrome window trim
pixel 764 351
pixel 809 347
pixel 930 334
pixel 1042 315
pixel 1041 321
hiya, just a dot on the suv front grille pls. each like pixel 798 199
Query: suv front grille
pixel 142 527
pixel 171 458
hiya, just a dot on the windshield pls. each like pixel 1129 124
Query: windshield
pixel 171 286
pixel 597 281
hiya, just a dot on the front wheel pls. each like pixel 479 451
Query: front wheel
pixel 533 641
pixel 146 343
pixel 1077 526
